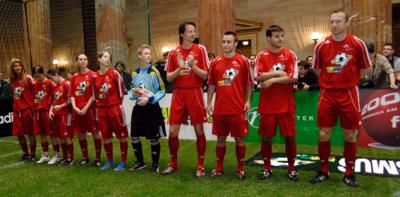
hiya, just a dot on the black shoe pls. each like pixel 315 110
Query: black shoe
pixel 97 163
pixel 138 166
pixel 155 168
pixel 240 175
pixel 350 180
pixel 70 162
pixel 265 174
pixel 30 158
pixel 84 162
pixel 319 178
pixel 23 157
pixel 293 176
pixel 215 173
pixel 64 161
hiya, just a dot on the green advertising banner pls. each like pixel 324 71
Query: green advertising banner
pixel 307 131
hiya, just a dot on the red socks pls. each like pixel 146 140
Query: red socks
pixel 350 150
pixel 83 145
pixel 220 152
pixel 291 154
pixel 201 149
pixel 97 146
pixel 240 155
pixel 124 151
pixel 266 151
pixel 324 150
pixel 173 143
pixel 109 151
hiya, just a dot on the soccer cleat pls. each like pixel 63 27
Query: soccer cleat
pixel 23 157
pixel 320 177
pixel 70 162
pixel 169 170
pixel 138 166
pixel 200 172
pixel 64 161
pixel 107 165
pixel 293 176
pixel 120 167
pixel 84 162
pixel 265 174
pixel 240 175
pixel 350 180
pixel 54 160
pixel 43 159
pixel 215 173
pixel 31 157
pixel 97 163
pixel 155 168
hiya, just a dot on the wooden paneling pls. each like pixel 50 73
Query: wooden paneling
pixel 212 26
pixel 371 21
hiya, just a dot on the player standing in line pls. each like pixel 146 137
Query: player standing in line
pixel 147 119
pixel 338 60
pixel 276 70
pixel 22 85
pixel 60 114
pixel 230 79
pixel 187 68
pixel 43 89
pixel 110 91
pixel 83 104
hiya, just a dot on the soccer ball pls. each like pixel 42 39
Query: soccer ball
pixel 230 73
pixel 82 85
pixel 278 66
pixel 341 59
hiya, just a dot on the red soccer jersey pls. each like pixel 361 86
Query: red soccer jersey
pixel 82 88
pixel 23 93
pixel 61 96
pixel 109 88
pixel 43 91
pixel 278 98
pixel 230 76
pixel 340 62
pixel 187 78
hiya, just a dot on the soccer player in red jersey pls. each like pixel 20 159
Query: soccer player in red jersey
pixel 276 70
pixel 22 85
pixel 83 104
pixel 110 91
pixel 187 68
pixel 231 80
pixel 338 60
pixel 43 90
pixel 60 114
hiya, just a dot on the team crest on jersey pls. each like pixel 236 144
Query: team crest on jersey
pixel 186 70
pixel 104 89
pixel 18 91
pixel 229 75
pixel 81 88
pixel 39 96
pixel 340 60
pixel 278 66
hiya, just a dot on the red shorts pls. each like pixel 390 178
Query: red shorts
pixel 23 122
pixel 85 123
pixel 62 126
pixel 269 122
pixel 112 120
pixel 343 102
pixel 236 124
pixel 187 102
pixel 42 124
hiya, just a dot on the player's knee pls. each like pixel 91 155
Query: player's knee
pixel 135 140
pixel 350 136
pixel 154 142
pixel 266 139
pixel 221 141
pixel 325 135
pixel 290 139
pixel 239 141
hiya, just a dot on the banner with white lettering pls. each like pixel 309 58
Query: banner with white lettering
pixel 6 117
